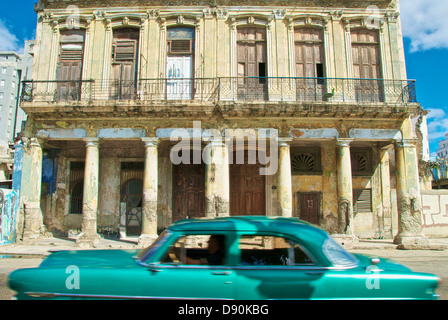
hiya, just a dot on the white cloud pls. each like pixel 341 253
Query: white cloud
pixel 425 23
pixel 437 124
pixel 8 41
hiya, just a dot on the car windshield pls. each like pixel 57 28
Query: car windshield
pixel 146 253
pixel 337 255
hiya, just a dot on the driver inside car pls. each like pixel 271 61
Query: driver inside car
pixel 216 246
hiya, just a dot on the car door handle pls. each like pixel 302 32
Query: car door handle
pixel 221 273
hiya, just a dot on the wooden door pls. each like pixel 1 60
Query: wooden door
pixel 179 74
pixel 310 67
pixel 188 191
pixel 124 69
pixel 309 207
pixel 69 75
pixel 247 190
pixel 252 63
pixel 71 54
pixel 367 65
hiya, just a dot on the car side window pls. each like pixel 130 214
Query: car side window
pixel 197 250
pixel 259 250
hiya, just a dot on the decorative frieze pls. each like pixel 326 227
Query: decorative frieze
pixel 58 4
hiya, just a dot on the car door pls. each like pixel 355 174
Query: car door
pixel 275 267
pixel 173 278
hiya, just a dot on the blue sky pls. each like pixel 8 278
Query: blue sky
pixel 425 29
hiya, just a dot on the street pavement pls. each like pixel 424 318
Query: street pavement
pixel 17 256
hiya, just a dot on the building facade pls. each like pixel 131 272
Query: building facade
pixel 442 152
pixel 14 68
pixel 292 109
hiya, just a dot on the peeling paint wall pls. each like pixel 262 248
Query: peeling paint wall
pixel 435 213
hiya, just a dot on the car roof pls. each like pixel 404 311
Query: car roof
pixel 293 226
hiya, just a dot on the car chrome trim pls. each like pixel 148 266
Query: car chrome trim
pixel 101 296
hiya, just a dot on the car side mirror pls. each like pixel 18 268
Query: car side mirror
pixel 375 261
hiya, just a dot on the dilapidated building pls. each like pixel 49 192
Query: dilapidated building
pixel 289 108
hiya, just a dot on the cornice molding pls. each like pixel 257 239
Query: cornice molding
pixel 62 4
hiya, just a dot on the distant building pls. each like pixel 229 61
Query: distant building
pixel 14 68
pixel 442 152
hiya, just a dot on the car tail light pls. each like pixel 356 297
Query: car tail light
pixel 439 281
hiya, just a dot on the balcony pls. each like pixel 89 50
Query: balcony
pixel 225 89
pixel 327 92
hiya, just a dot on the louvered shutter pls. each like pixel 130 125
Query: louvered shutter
pixel 362 201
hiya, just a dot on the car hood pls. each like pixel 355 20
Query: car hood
pixel 91 258
pixel 384 264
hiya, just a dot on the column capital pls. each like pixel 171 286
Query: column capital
pixel 151 142
pixel 92 142
pixel 217 141
pixel 284 142
pixel 344 142
pixel 37 142
pixel 406 143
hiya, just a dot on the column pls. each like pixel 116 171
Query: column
pixel 284 188
pixel 33 226
pixel 345 188
pixel 89 236
pixel 385 192
pixel 217 179
pixel 150 192
pixel 346 236
pixel 409 205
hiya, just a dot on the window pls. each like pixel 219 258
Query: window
pixel 197 250
pixel 367 65
pixel 305 161
pixel 337 255
pixel 2 83
pixel 361 159
pixel 310 67
pixel 125 63
pixel 252 63
pixel 4 70
pixel 180 40
pixel 70 64
pixel 362 200
pixel 265 250
pixel 2 95
pixel 180 63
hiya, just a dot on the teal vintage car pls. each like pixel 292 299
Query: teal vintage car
pixel 247 258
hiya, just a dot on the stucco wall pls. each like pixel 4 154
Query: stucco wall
pixel 435 213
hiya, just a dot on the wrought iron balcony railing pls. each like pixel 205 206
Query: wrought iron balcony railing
pixel 244 89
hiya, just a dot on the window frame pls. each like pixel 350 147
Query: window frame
pixel 315 263
pixel 178 237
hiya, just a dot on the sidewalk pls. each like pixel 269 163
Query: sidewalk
pixel 45 246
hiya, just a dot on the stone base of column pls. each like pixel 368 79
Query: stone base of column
pixel 145 240
pixel 346 241
pixel 33 228
pixel 88 241
pixel 216 207
pixel 418 242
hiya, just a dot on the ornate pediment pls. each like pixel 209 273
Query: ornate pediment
pixel 61 4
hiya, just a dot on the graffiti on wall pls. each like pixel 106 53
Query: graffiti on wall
pixel 435 210
pixel 8 199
